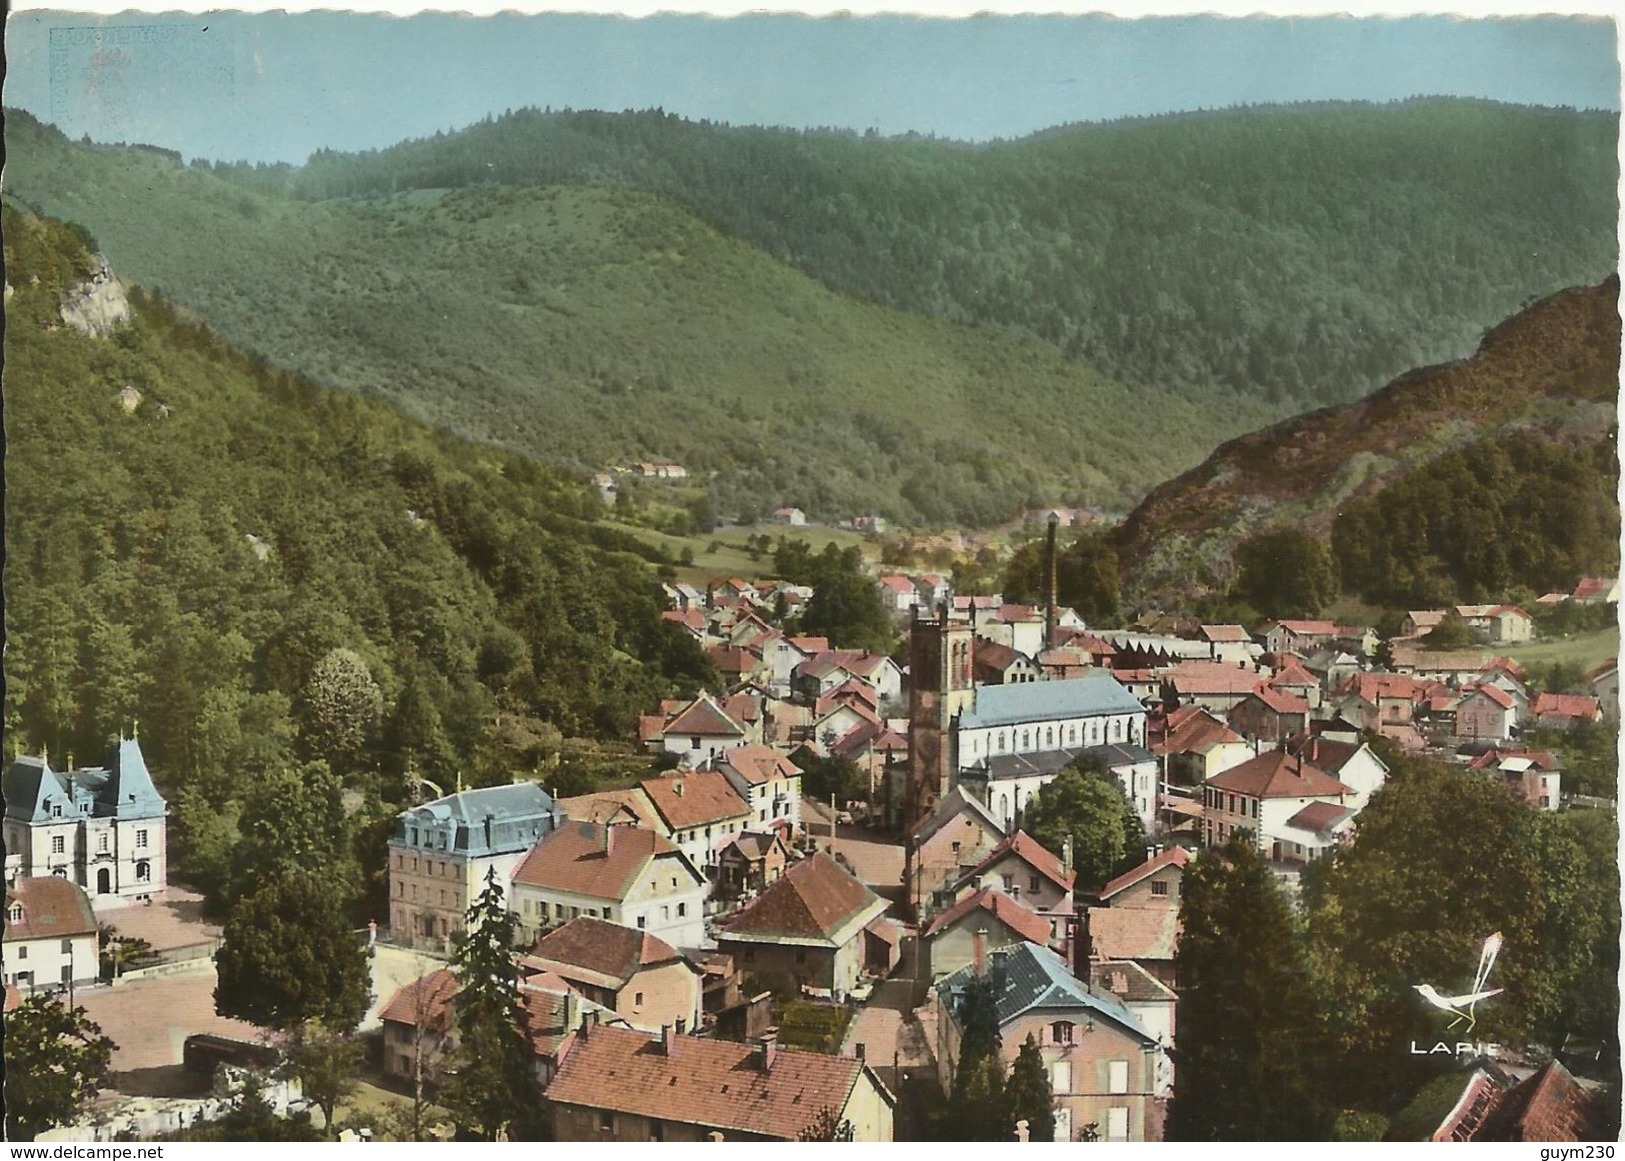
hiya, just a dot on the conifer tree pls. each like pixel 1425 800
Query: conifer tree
pixel 489 1087
pixel 1028 1093
pixel 1246 1017
pixel 978 1111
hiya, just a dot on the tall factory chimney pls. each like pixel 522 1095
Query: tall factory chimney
pixel 1050 610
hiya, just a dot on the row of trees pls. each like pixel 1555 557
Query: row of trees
pixel 986 1102
pixel 1298 1026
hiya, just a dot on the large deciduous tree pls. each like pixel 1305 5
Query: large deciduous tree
pixel 1248 1048
pixel 1086 804
pixel 1284 572
pixel 288 956
pixel 1439 861
pixel 327 1062
pixel 57 1060
pixel 342 708
pixel 489 1088
pixel 1575 854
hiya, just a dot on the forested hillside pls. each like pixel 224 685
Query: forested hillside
pixel 257 572
pixel 587 326
pixel 1302 255
pixel 1454 482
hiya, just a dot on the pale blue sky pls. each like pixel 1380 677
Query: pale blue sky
pixel 277 86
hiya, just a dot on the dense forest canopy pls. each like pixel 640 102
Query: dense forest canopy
pixel 586 327
pixel 1302 254
pixel 259 573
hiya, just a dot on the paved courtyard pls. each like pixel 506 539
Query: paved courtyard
pixel 172 919
pixel 150 1019
pixel 877 859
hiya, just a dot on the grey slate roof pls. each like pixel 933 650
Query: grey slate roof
pixel 1001 767
pixel 492 820
pixel 1026 976
pixel 122 789
pixel 1096 692
pixel 954 803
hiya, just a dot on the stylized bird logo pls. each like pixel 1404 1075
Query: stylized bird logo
pixel 1462 1007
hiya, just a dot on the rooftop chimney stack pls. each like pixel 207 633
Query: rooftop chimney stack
pixel 668 1040
pixel 1066 854
pixel 1083 945
pixel 979 952
pixel 767 1049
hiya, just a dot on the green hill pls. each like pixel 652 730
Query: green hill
pixel 585 326
pixel 1303 254
pixel 1452 483
pixel 186 554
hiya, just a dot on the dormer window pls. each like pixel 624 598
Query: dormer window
pixel 56 810
pixel 15 913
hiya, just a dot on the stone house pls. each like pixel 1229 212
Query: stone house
pixel 51 939
pixel 624 874
pixel 638 976
pixel 947 844
pixel 810 927
pixel 442 851
pixel 102 828
pixel 994 917
pixel 1102 1064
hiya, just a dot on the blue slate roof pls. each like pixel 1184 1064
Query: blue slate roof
pixel 1026 976
pixel 122 789
pixel 493 820
pixel 1097 692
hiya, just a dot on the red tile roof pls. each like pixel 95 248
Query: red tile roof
pixel 1548 1106
pixel 1212 677
pixel 14 997
pixel 759 765
pixel 1030 851
pixel 994 655
pixel 587 859
pixel 1276 774
pixel 1279 700
pixel 1022 920
pixel 1190 729
pixel 1580 706
pixel 425 1001
pixel 599 946
pixel 1313 628
pixel 1172 857
pixel 1589 588
pixel 690 618
pixel 1319 815
pixel 717 1084
pixel 815 899
pixel 1489 759
pixel 703 718
pixel 1144 933
pixel 1293 673
pixel 1226 634
pixel 52 908
pixel 605 805
pixel 1494 692
pixel 695 798
pixel 898 584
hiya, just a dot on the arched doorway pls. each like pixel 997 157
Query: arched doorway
pixel 104 882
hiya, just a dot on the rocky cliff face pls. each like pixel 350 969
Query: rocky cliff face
pixel 96 305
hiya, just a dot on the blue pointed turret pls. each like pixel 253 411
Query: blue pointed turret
pixel 129 792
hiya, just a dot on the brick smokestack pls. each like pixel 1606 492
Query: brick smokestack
pixel 1050 613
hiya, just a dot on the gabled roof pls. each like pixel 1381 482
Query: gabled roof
pixel 957 803
pixel 1276 774
pixel 1026 977
pixel 602 948
pixel 1307 628
pixel 1022 920
pixel 758 765
pixel 815 901
pixel 1213 678
pixel 716 1084
pixel 1548 1106
pixel 898 584
pixel 1493 692
pixel 1226 634
pixel 606 805
pixel 1093 693
pixel 704 718
pixel 1131 983
pixel 584 858
pixel 52 908
pixel 809 646
pixel 1320 817
pixel 1030 851
pixel 1580 706
pixel 1293 673
pixel 1190 729
pixel 691 618
pixel 1172 857
pixel 753 845
pixel 695 798
pixel 1279 700
pixel 1140 933
pixel 995 655
pixel 425 1002
pixel 1540 759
